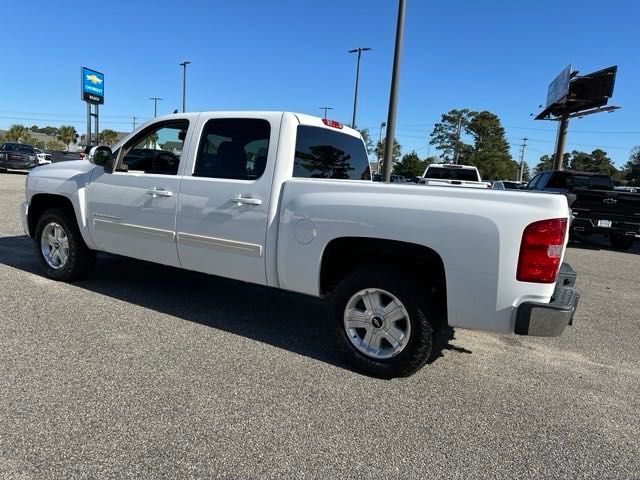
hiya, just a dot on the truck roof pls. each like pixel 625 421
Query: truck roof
pixel 451 165
pixel 303 118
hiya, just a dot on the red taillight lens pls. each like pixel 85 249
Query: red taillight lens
pixel 540 251
pixel 331 123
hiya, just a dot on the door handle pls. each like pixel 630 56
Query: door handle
pixel 159 192
pixel 241 200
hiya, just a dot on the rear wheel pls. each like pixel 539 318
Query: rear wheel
pixel 60 247
pixel 381 323
pixel 621 242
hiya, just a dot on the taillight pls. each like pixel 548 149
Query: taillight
pixel 540 251
pixel 331 123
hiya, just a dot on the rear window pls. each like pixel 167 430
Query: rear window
pixel 444 173
pixel 594 182
pixel 323 153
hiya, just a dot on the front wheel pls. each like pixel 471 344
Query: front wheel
pixel 60 247
pixel 621 242
pixel 381 323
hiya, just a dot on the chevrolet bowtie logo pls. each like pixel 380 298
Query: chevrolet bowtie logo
pixel 610 201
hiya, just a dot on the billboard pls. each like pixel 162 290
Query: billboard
pixel 559 88
pixel 92 86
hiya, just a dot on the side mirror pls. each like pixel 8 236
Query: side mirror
pixel 103 156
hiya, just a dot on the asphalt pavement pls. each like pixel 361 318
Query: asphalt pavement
pixel 144 371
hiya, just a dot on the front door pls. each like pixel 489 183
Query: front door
pixel 223 205
pixel 132 210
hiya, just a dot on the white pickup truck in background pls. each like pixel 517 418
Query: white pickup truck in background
pixel 285 200
pixel 450 175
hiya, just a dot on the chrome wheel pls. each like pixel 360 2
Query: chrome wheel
pixel 54 245
pixel 377 323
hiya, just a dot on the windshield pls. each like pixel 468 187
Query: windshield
pixel 17 147
pixel 444 173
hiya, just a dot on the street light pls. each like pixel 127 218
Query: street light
pixel 184 85
pixel 393 96
pixel 359 51
pixel 325 110
pixel 155 105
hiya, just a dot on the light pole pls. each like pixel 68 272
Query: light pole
pixel 155 105
pixel 184 85
pixel 393 96
pixel 325 111
pixel 359 51
pixel 382 125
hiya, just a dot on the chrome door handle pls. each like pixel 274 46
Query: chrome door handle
pixel 241 200
pixel 159 192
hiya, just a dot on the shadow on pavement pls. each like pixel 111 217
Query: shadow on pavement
pixel 600 242
pixel 286 320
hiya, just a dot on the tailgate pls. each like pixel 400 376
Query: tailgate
pixel 612 205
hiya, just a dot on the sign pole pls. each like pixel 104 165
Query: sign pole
pixel 563 126
pixel 97 125
pixel 88 124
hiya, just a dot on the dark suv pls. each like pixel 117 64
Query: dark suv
pixel 598 207
pixel 17 156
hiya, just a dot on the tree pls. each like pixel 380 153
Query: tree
pixel 546 163
pixel 67 134
pixel 108 137
pixel 447 134
pixel 56 145
pixel 366 137
pixel 27 138
pixel 38 144
pixel 597 161
pixel 14 133
pixel 380 150
pixel 631 169
pixel 491 150
pixel 410 166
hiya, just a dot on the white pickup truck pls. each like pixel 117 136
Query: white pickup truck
pixel 450 175
pixel 285 200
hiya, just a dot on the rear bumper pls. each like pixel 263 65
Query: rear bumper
pixel 550 319
pixel 590 225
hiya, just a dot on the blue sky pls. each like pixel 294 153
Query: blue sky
pixel 291 55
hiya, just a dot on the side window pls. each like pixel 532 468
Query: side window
pixel 323 153
pixel 234 148
pixel 157 150
pixel 558 180
pixel 533 182
pixel 542 183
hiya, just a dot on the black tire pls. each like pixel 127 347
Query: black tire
pixel 621 242
pixel 420 343
pixel 81 258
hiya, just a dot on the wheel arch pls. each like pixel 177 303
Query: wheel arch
pixel 419 263
pixel 41 202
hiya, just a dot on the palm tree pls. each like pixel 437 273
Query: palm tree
pixel 15 132
pixel 67 134
pixel 108 137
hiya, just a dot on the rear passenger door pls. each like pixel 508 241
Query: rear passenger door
pixel 224 197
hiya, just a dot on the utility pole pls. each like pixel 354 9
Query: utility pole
pixel 134 122
pixel 522 147
pixel 382 125
pixel 563 126
pixel 359 51
pixel 456 152
pixel 393 96
pixel 325 111
pixel 155 105
pixel 184 85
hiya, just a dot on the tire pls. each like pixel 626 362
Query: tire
pixel 621 242
pixel 385 360
pixel 59 225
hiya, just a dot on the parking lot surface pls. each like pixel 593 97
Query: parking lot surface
pixel 147 371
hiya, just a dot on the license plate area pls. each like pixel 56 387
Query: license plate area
pixel 604 223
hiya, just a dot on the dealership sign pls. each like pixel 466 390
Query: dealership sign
pixel 92 84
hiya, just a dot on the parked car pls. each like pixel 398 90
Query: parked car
pixel 598 207
pixel 17 156
pixel 508 185
pixel 44 158
pixel 285 200
pixel 449 175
